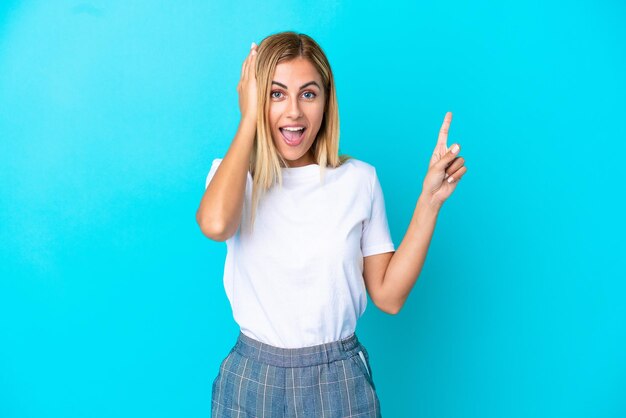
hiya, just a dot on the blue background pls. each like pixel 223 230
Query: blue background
pixel 111 299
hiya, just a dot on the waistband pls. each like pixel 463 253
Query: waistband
pixel 297 357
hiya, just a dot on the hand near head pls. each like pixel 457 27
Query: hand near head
pixel 247 86
pixel 444 165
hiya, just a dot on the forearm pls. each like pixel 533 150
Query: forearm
pixel 408 260
pixel 222 203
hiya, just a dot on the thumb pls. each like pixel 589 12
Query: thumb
pixel 448 157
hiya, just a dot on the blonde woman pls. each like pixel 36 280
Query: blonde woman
pixel 307 236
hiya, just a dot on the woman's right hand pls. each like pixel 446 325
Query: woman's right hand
pixel 247 87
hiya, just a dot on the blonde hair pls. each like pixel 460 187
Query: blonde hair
pixel 265 160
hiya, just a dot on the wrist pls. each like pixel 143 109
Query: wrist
pixel 248 117
pixel 429 203
pixel 248 122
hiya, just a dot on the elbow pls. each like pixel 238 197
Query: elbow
pixel 394 310
pixel 212 230
pixel 389 308
pixel 213 233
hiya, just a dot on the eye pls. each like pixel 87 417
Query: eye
pixel 310 92
pixel 272 94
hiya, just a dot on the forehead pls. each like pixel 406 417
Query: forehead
pixel 295 72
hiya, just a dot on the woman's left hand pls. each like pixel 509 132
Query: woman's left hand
pixel 444 165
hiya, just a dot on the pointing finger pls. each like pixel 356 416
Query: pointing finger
pixel 443 132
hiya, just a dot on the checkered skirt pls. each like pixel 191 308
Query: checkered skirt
pixel 331 380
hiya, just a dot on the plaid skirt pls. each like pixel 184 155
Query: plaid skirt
pixel 331 380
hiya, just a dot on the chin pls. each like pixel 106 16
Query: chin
pixel 292 157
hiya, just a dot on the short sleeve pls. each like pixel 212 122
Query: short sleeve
pixel 376 237
pixel 214 165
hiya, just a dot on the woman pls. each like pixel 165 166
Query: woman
pixel 307 236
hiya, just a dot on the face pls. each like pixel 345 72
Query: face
pixel 296 101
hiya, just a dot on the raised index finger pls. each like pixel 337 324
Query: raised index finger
pixel 443 132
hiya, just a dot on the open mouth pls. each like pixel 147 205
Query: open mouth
pixel 293 135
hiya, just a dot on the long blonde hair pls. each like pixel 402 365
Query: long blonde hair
pixel 265 160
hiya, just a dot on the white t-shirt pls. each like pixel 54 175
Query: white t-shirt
pixel 297 279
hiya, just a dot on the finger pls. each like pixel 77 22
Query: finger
pixel 443 132
pixel 246 63
pixel 250 60
pixel 458 175
pixel 243 68
pixel 456 164
pixel 449 157
pixel 252 65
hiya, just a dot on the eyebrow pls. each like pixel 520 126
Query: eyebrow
pixel 301 87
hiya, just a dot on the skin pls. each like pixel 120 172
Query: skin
pixel 389 277
pixel 290 103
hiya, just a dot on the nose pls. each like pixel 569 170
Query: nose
pixel 293 109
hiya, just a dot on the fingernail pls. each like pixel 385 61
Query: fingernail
pixel 455 148
pixel 450 179
pixel 252 45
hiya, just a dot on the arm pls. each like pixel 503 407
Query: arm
pixel 389 277
pixel 220 209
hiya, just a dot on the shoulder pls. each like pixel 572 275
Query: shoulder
pixel 361 166
pixel 363 170
pixel 214 164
